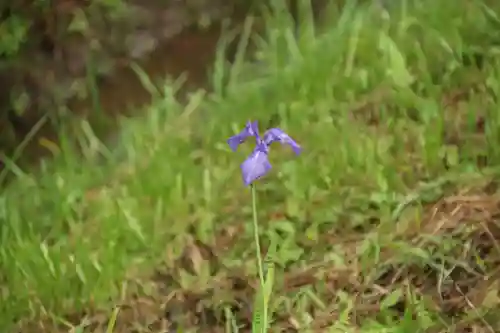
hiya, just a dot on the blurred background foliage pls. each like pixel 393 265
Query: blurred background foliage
pixel 48 48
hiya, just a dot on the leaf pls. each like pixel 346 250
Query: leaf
pixel 285 226
pixel 260 320
pixel 112 320
pixel 312 233
pixel 491 299
pixel 196 259
pixel 289 252
pixel 396 62
pixel 391 299
pixel 452 155
pixel 79 22
pixel 49 145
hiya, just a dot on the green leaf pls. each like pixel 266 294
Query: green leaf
pixel 261 317
pixel 79 22
pixel 396 62
pixel 391 299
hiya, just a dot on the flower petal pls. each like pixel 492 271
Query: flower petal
pixel 276 134
pixel 251 129
pixel 256 165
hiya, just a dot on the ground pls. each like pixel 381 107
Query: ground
pixel 387 222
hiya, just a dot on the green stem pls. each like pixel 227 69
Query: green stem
pixel 256 236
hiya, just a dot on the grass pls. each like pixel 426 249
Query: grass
pixel 388 222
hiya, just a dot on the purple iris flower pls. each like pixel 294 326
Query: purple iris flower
pixel 257 164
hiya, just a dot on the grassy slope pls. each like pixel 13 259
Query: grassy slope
pixel 389 212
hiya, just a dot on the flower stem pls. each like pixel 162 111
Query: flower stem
pixel 256 236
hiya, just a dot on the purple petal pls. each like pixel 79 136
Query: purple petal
pixel 251 129
pixel 256 165
pixel 275 134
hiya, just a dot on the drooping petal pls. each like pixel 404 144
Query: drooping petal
pixel 251 129
pixel 276 134
pixel 256 165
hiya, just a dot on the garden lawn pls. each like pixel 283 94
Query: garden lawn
pixel 387 222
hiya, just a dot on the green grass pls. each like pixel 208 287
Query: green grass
pixel 386 223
